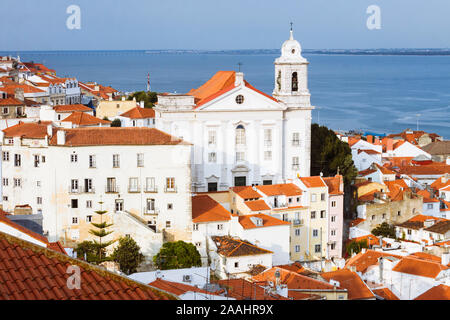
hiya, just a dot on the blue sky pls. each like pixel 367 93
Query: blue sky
pixel 214 24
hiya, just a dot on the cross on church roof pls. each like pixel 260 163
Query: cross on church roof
pixel 239 66
pixel 291 26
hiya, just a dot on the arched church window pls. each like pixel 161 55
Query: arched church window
pixel 279 80
pixel 240 135
pixel 294 82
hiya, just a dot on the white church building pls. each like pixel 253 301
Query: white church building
pixel 242 136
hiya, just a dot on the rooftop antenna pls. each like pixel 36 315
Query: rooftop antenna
pixel 418 115
pixel 239 66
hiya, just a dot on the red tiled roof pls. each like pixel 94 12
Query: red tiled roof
pixel 257 205
pixel 287 189
pixel 430 169
pixel 368 151
pixel 363 260
pixel 139 113
pixel 334 184
pixel 71 108
pixel 241 289
pixel 366 172
pixel 440 292
pixel 233 247
pixel 206 209
pixel 439 183
pixel 116 136
pixel 28 130
pixel 384 170
pixel 10 88
pixel 267 221
pixel 419 267
pixel 385 293
pixel 356 221
pixel 356 288
pixel 313 182
pixel 426 256
pixel 85 119
pixel 11 102
pixel 246 192
pixel 31 272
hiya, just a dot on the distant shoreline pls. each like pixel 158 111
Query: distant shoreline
pixel 366 52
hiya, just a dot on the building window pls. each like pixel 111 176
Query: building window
pixel 111 185
pixel 333 218
pixel 240 156
pixel 333 204
pixel 240 99
pixel 74 203
pixel 88 203
pixel 150 184
pixel 212 157
pixel 43 159
pixel 297 248
pixel 297 232
pixel 295 138
pixel 236 264
pixel 212 186
pixel 267 155
pixel 167 224
pixel 267 137
pixel 74 220
pixel 211 137
pixel 373 217
pixel 198 244
pixel 430 206
pixel 150 205
pixel 5 198
pixel 91 161
pixel 169 206
pixel 322 196
pixel 5 182
pixel 294 81
pixel 5 155
pixel 39 200
pixel 17 160
pixel 333 246
pixel 5 110
pixel 240 135
pixel 195 227
pixel 313 214
pixel 323 214
pixel 133 185
pixel 116 161
pixel 333 232
pixel 295 163
pixel 315 233
pixel 170 184
pixel 399 213
pixel 317 248
pixel 17 182
pixel 74 185
pixel 36 160
pixel 88 218
pixel 140 159
pixel 74 157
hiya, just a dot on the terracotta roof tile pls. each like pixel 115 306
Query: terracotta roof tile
pixel 257 205
pixel 313 182
pixel 176 288
pixel 267 221
pixel 139 113
pixel 349 280
pixel 363 260
pixel 419 267
pixel 246 192
pixel 334 184
pixel 206 209
pixel 287 189
pixel 44 276
pixel 385 293
pixel 71 108
pixel 234 247
pixel 28 130
pixel 11 102
pixel 84 119
pixel 440 292
pixel 241 289
pixel 117 136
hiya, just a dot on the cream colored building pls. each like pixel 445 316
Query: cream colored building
pixel 113 108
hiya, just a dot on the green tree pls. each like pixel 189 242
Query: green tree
pixel 116 123
pixel 177 255
pixel 101 232
pixel 149 97
pixel 385 230
pixel 128 255
pixel 329 154
pixel 87 251
pixel 356 246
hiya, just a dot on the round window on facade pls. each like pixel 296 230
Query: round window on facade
pixel 293 51
pixel 240 99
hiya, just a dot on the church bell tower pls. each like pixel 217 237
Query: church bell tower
pixel 291 75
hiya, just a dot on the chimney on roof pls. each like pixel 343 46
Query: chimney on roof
pixel 389 144
pixel 61 137
pixel 19 94
pixel 141 104
pixel 369 138
pixel 239 79
pixel 49 130
pixel 445 258
pixel 123 98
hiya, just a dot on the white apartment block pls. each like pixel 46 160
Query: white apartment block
pixel 64 174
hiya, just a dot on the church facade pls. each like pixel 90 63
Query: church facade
pixel 242 136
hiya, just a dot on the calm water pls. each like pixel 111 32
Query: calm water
pixel 375 93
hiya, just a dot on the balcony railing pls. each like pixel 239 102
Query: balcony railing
pixel 89 190
pixel 295 167
pixel 134 189
pixel 173 189
pixel 148 211
pixel 151 189
pixel 111 189
pixel 74 190
pixel 295 142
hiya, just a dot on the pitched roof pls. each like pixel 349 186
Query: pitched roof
pixel 28 130
pixel 334 184
pixel 241 289
pixel 175 288
pixel 287 189
pixel 10 101
pixel 85 119
pixel 363 260
pixel 4 219
pixel 313 182
pixel 419 267
pixel 234 247
pixel 438 147
pixel 10 88
pixel 440 292
pixel 31 272
pixel 430 169
pixel 385 293
pixel 246 192
pixel 116 136
pixel 206 209
pixel 441 227
pixel 139 113
pixel 441 182
pixel 267 221
pixel 349 280
pixel 384 170
pixel 366 172
pixel 71 108
pixel 368 151
pixel 257 205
